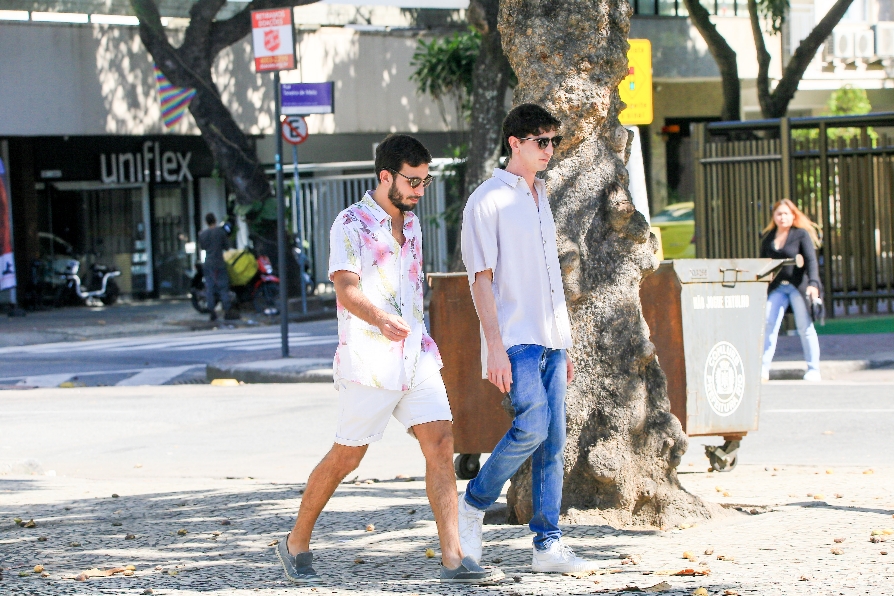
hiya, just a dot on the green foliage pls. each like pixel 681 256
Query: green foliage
pixel 444 67
pixel 847 101
pixel 774 12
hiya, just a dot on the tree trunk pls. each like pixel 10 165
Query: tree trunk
pixel 489 84
pixel 190 66
pixel 623 443
pixel 775 104
pixel 723 55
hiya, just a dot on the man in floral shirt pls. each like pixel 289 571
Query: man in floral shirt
pixel 386 364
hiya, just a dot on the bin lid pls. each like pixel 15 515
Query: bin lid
pixel 692 271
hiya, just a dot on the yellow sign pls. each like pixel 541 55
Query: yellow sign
pixel 636 88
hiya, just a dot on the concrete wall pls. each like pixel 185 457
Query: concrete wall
pixel 95 79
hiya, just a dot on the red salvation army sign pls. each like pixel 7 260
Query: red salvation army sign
pixel 273 39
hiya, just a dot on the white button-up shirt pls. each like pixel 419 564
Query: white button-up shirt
pixel 391 278
pixel 504 230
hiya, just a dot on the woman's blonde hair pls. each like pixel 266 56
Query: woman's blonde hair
pixel 800 220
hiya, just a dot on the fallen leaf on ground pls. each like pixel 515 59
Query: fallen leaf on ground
pixel 430 553
pixel 127 573
pixel 41 538
pixel 876 533
pixel 130 537
pixel 225 522
pixel 24 573
pixel 684 572
pixel 274 543
pixel 725 558
pixel 730 593
pixel 726 493
pixel 700 592
pixel 224 383
pixel 837 551
pixel 818 497
pixel 709 550
pixel 888 531
pixel 85 575
pixel 870 471
pixel 660 587
pixel 29 524
pixel 688 554
pixel 580 574
pixel 829 471
pixel 359 560
pixel 838 540
pixel 130 568
pixel 182 532
pixel 74 544
pixel 804 578
pixel 370 527
pixel 883 552
pixel 38 569
pixel 839 496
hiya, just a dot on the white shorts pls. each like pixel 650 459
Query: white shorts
pixel 363 411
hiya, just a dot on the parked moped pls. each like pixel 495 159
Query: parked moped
pixel 261 290
pixel 100 285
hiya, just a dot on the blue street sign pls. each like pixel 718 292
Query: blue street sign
pixel 301 99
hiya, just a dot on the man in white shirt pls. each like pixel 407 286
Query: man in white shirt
pixel 510 253
pixel 385 364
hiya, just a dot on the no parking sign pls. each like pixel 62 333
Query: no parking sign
pixel 294 130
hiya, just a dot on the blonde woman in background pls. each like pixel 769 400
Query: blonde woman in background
pixel 789 234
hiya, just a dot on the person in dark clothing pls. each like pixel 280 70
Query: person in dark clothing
pixel 214 241
pixel 789 234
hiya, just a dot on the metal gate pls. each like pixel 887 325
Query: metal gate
pixel 838 170
pixel 324 196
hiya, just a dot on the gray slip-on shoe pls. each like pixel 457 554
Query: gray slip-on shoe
pixel 470 572
pixel 299 568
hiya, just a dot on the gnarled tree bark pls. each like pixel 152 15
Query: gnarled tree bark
pixel 490 82
pixel 189 65
pixel 623 443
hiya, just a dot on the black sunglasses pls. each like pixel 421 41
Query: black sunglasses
pixel 542 142
pixel 415 181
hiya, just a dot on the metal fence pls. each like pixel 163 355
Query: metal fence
pixel 325 195
pixel 838 170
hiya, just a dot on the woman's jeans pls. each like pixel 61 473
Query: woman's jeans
pixel 782 296
pixel 539 380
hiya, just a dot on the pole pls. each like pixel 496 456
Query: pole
pixel 281 226
pixel 297 206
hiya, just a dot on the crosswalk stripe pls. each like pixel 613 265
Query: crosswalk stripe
pixel 155 376
pixel 241 342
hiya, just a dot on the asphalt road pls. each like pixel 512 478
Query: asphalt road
pixel 279 432
pixel 158 358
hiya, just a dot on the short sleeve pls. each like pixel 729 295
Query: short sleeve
pixel 479 238
pixel 344 246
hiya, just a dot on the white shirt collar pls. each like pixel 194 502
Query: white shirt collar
pixel 513 179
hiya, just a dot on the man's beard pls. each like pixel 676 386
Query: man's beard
pixel 398 199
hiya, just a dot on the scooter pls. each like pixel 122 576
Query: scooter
pixel 101 285
pixel 262 290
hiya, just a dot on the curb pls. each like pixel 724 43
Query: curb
pixel 830 369
pixel 284 370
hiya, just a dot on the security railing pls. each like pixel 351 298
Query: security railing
pixel 838 170
pixel 326 194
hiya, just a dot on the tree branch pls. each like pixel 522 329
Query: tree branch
pixel 724 56
pixel 763 60
pixel 802 58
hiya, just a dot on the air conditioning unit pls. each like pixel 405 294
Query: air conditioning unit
pixel 864 44
pixel 884 40
pixel 843 43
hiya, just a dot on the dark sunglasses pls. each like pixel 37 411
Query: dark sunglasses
pixel 415 181
pixel 542 142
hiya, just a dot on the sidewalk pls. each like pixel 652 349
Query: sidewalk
pixel 195 536
pixel 841 355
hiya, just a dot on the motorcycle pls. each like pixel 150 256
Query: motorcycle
pixel 261 290
pixel 100 285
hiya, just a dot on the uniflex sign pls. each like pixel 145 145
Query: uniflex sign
pixel 146 165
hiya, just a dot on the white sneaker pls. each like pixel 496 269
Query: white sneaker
pixel 813 376
pixel 471 522
pixel 558 558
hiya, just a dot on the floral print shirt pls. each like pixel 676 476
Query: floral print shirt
pixel 391 278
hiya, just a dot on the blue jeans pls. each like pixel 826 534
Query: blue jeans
pixel 782 296
pixel 539 380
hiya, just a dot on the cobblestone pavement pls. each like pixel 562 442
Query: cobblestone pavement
pixel 217 536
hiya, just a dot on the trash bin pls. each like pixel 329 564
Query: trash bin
pixel 707 319
pixel 479 420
